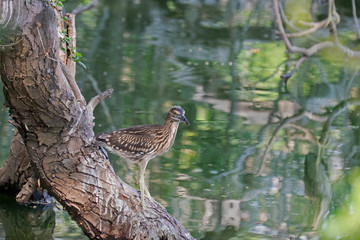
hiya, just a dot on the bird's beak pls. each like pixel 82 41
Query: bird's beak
pixel 184 120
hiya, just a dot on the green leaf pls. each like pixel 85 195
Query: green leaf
pixel 77 54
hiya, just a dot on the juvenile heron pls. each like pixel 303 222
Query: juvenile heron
pixel 142 143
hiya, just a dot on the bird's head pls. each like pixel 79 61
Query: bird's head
pixel 177 114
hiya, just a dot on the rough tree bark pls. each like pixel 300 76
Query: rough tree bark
pixel 55 138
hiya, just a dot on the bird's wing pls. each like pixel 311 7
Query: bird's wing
pixel 137 140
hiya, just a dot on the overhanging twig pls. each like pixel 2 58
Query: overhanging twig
pixel 297 64
pixel 97 99
pixel 81 8
pixel 355 18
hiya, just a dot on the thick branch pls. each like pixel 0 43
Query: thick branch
pixel 58 136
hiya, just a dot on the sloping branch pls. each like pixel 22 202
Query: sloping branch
pixel 57 135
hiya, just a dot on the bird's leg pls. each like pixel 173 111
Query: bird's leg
pixel 142 166
pixel 147 193
pixel 143 189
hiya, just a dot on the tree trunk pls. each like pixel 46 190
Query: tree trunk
pixel 55 140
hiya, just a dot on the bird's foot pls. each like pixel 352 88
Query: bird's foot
pixel 151 199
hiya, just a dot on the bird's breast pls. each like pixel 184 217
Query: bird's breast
pixel 166 140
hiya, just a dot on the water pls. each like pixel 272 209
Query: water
pixel 239 171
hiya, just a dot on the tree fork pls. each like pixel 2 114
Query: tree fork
pixel 56 129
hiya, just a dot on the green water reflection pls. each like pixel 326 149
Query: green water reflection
pixel 245 168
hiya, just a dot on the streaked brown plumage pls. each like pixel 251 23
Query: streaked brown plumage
pixel 142 143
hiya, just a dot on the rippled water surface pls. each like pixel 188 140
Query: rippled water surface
pixel 258 161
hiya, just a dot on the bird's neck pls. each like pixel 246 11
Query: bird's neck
pixel 171 125
pixel 170 128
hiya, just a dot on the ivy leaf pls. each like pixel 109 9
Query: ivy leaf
pixel 77 54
